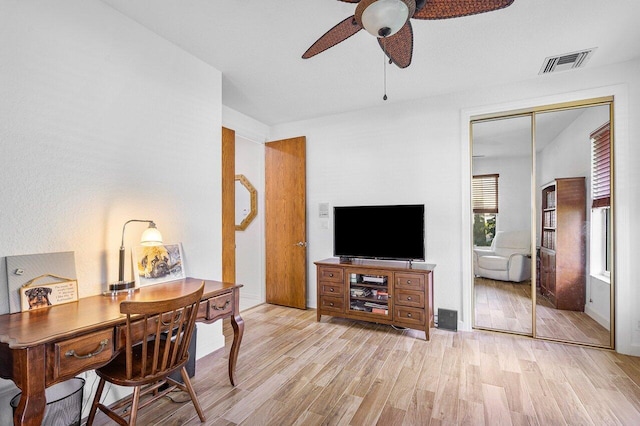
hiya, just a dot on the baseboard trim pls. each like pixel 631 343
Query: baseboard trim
pixel 597 317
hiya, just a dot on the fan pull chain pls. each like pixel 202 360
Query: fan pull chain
pixel 384 57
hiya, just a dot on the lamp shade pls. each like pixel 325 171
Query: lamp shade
pixel 384 18
pixel 151 236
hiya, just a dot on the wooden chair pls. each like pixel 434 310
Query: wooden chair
pixel 157 337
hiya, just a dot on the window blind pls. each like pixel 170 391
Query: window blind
pixel 601 166
pixel 484 198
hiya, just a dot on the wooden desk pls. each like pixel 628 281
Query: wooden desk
pixel 50 345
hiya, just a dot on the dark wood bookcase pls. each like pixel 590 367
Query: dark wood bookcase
pixel 563 243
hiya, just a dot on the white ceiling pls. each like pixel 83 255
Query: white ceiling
pixel 258 44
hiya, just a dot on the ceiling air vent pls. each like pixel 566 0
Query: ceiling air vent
pixel 566 62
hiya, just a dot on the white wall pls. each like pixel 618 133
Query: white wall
pixel 514 190
pixel 395 154
pixel 250 269
pixel 569 154
pixel 103 121
pixel 418 152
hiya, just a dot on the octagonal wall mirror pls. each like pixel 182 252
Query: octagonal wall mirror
pixel 246 202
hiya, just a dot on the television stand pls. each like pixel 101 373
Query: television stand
pixel 385 292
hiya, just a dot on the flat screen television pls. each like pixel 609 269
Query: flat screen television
pixel 394 232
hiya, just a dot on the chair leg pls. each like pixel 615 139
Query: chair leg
pixel 192 393
pixel 94 404
pixel 135 402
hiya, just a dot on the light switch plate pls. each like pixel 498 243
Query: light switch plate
pixel 323 210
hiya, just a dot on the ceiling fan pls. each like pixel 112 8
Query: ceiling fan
pixel 389 21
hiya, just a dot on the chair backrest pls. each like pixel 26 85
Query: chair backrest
pixel 165 328
pixel 508 242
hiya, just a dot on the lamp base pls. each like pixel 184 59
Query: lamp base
pixel 120 287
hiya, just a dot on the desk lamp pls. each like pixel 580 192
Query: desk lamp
pixel 150 237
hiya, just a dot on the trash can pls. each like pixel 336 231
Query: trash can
pixel 64 403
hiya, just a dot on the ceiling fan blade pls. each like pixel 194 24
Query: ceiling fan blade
pixel 335 35
pixel 399 47
pixel 445 9
pixel 350 1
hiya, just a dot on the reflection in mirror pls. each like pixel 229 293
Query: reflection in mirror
pixel 246 202
pixel 502 172
pixel 573 222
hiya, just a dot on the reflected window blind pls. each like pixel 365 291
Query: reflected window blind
pixel 601 166
pixel 485 194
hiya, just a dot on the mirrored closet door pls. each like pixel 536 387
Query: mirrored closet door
pixel 554 203
pixel 573 177
pixel 502 218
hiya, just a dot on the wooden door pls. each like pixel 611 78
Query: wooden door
pixel 228 205
pixel 286 222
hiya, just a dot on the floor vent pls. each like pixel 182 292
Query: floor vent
pixel 566 62
pixel 448 319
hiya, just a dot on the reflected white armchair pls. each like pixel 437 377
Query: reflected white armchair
pixel 508 258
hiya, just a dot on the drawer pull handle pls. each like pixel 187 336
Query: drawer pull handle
pixel 331 290
pixel 408 281
pixel 169 323
pixel 409 315
pixel 409 298
pixel 223 307
pixel 330 303
pixel 72 352
pixel 331 274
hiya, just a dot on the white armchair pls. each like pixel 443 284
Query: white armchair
pixel 508 258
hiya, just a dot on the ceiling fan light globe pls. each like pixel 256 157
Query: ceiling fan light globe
pixel 384 18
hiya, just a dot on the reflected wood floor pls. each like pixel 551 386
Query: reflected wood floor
pixel 503 305
pixel 293 370
pixel 568 325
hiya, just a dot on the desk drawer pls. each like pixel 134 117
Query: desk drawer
pixel 203 310
pixel 220 306
pixel 72 356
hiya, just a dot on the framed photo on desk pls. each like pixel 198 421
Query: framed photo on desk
pixel 158 264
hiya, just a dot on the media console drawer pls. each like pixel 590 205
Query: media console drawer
pixel 410 281
pixel 331 289
pixel 331 274
pixel 332 304
pixel 409 298
pixel 411 316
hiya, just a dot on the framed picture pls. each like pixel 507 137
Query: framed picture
pixel 157 264
pixel 36 294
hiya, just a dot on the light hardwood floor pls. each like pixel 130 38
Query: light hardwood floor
pixel 293 370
